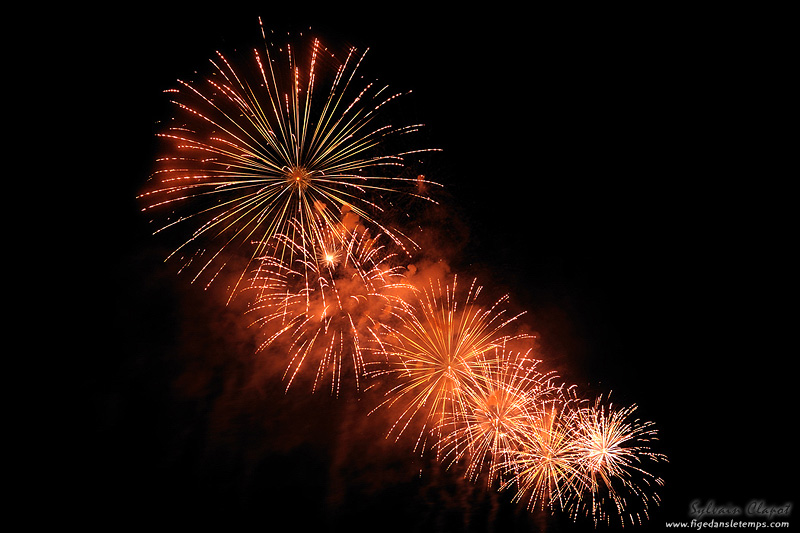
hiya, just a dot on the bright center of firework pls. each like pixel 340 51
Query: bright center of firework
pixel 600 456
pixel 329 257
pixel 298 177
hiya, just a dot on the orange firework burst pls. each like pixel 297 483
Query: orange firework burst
pixel 613 448
pixel 544 465
pixel 584 459
pixel 433 353
pixel 323 305
pixel 501 400
pixel 256 153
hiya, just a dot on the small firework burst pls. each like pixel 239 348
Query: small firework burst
pixel 614 449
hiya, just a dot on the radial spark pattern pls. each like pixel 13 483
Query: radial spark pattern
pixel 502 399
pixel 433 355
pixel 614 451
pixel 268 148
pixel 544 464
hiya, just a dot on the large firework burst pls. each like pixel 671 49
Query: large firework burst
pixel 256 152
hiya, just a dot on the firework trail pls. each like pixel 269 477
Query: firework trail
pixel 256 153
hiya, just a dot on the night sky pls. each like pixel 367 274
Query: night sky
pixel 615 173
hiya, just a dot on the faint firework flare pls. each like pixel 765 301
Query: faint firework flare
pixel 432 355
pixel 321 303
pixel 269 147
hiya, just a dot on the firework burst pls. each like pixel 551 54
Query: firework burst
pixel 323 305
pixel 613 450
pixel 261 152
pixel 544 464
pixel 502 399
pixel 432 355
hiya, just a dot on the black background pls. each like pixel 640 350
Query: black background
pixel 615 172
